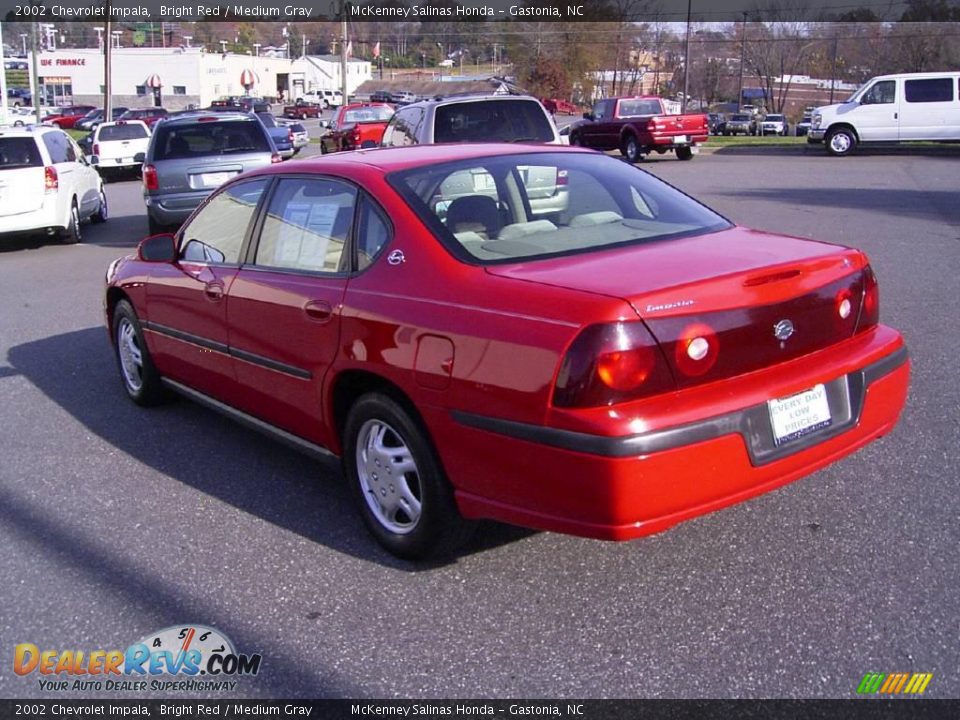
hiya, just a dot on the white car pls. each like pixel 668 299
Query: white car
pixel 46 184
pixel 325 98
pixel 773 125
pixel 117 145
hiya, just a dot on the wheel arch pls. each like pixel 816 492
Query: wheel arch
pixel 350 385
pixel 114 296
pixel 842 126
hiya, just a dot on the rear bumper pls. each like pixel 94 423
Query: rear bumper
pixel 38 220
pixel 667 142
pixel 174 209
pixel 625 486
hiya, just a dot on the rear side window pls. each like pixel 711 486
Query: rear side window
pixel 639 108
pixel 58 147
pixel 403 128
pixel 19 152
pixel 929 90
pixel 122 132
pixel 493 121
pixel 307 226
pixel 209 138
pixel 216 233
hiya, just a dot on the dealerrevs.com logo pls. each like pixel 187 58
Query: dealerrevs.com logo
pixel 183 657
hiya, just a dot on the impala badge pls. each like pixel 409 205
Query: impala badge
pixel 396 257
pixel 783 330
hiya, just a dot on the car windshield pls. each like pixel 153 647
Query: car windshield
pixel 122 132
pixel 740 118
pixel 510 207
pixel 19 152
pixel 493 121
pixel 209 138
pixel 775 118
pixel 368 114
pixel 639 108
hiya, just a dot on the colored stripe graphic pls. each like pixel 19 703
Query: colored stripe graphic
pixel 894 683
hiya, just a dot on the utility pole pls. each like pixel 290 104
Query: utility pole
pixel 743 45
pixel 686 61
pixel 343 55
pixel 833 69
pixel 35 89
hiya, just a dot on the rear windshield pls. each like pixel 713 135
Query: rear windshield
pixel 740 118
pixel 122 132
pixel 639 108
pixel 511 207
pixel 492 121
pixel 209 138
pixel 368 114
pixel 19 152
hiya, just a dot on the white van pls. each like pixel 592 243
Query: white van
pixel 892 108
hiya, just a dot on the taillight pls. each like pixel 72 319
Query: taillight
pixel 611 363
pixel 96 148
pixel 696 350
pixel 355 136
pixel 870 311
pixel 290 136
pixel 562 178
pixel 50 180
pixel 150 180
pixel 275 158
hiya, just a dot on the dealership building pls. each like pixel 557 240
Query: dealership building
pixel 178 78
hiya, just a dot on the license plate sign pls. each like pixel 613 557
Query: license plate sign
pixel 681 139
pixel 798 415
pixel 215 179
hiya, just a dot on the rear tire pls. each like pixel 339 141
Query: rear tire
pixel 396 478
pixel 630 149
pixel 71 233
pixel 103 212
pixel 684 153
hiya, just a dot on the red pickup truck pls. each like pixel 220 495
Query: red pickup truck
pixel 638 126
pixel 355 126
pixel 302 109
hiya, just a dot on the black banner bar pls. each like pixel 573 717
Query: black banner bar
pixel 855 709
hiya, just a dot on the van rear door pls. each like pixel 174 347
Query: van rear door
pixel 930 110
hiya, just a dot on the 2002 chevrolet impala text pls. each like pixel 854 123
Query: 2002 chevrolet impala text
pixel 547 337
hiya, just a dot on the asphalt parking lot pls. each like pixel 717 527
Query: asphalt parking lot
pixel 117 521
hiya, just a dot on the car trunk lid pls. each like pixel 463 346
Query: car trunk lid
pixel 756 299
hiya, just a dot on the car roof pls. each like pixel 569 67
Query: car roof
pixel 27 130
pixel 122 122
pixel 414 156
pixel 213 116
pixel 471 97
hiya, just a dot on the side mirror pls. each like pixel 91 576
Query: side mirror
pixel 140 157
pixel 158 248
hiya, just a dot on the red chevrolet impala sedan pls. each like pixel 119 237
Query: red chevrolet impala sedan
pixel 543 336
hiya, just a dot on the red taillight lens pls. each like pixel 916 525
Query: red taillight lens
pixel 562 178
pixel 50 180
pixel 355 135
pixel 96 148
pixel 150 180
pixel 290 135
pixel 611 363
pixel 870 312
pixel 275 158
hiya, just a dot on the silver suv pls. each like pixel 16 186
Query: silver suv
pixel 478 118
pixel 192 155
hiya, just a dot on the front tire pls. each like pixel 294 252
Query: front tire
pixel 403 494
pixel 137 371
pixel 841 142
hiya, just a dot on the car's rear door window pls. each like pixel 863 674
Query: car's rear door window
pixel 492 121
pixel 307 226
pixel 122 132
pixel 19 152
pixel 209 138
pixel 217 232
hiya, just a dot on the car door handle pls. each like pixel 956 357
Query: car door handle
pixel 213 291
pixel 318 310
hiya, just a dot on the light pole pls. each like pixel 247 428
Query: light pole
pixel 440 64
pixel 256 49
pixel 23 39
pixel 188 38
